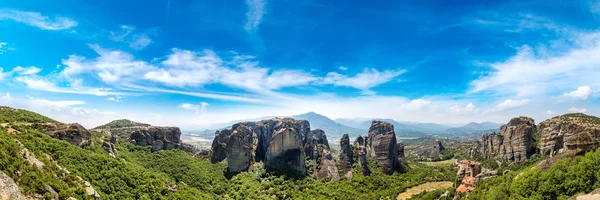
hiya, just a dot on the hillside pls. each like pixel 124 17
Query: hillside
pixel 138 173
pixel 8 114
pixel 121 123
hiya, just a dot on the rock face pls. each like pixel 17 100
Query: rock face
pixel 110 149
pixel 346 156
pixel 161 138
pixel 514 142
pixel 276 142
pixel 573 134
pixel 328 168
pixel 9 189
pixel 360 150
pixel 316 137
pixel 382 140
pixel 72 133
pixel 518 134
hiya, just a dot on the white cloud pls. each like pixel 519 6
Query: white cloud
pixel 343 68
pixel 115 99
pixel 530 74
pixel 510 104
pixel 110 66
pixel 254 15
pixel 582 93
pixel 549 112
pixel 366 80
pixel 37 19
pixel 140 41
pixel 137 41
pixel 26 70
pixel 468 109
pixel 198 109
pixel 577 110
pixel 5 48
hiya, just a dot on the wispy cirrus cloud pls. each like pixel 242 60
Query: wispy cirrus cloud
pixel 137 40
pixel 37 19
pixel 4 47
pixel 254 15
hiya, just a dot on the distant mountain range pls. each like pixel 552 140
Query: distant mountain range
pixel 355 127
pixel 475 127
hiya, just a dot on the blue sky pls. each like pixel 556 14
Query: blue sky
pixel 196 63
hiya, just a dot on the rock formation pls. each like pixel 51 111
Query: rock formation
pixel 9 189
pixel 28 156
pixel 316 137
pixel 276 142
pixel 572 133
pixel 328 168
pixel 72 133
pixel 382 141
pixel 346 156
pixel 161 138
pixel 518 134
pixel 110 149
pixel 360 150
pixel 514 142
pixel 590 196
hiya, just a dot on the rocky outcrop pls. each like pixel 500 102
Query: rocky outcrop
pixel 346 156
pixel 382 141
pixel 360 150
pixel 573 134
pixel 514 142
pixel 276 142
pixel 328 168
pixel 110 149
pixel 160 138
pixel 594 195
pixel 431 152
pixel 28 156
pixel 9 189
pixel 52 192
pixel 73 133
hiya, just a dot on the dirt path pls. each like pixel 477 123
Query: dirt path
pixel 424 187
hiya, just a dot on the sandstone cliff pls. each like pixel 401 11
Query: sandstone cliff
pixel 514 142
pixel 571 133
pixel 276 142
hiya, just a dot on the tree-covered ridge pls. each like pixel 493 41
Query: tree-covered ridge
pixel 121 123
pixel 581 118
pixel 564 179
pixel 12 115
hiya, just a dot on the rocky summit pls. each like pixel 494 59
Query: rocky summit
pixel 160 138
pixel 276 142
pixel 73 133
pixel 572 134
pixel 514 142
